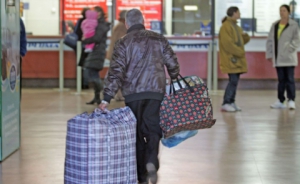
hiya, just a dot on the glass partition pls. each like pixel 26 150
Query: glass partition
pixel 246 9
pixel 172 17
pixel 257 16
pixel 267 12
pixel 188 17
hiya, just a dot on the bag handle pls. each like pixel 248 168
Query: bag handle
pixel 99 111
pixel 180 86
pixel 172 87
pixel 105 111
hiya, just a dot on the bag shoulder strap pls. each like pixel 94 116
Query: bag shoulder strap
pixel 77 25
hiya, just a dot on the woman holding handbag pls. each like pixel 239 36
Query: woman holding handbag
pixel 95 60
pixel 79 33
pixel 232 56
pixel 282 45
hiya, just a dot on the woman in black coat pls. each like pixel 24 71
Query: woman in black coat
pixel 83 55
pixel 95 60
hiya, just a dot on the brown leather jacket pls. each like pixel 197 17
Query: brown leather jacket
pixel 138 66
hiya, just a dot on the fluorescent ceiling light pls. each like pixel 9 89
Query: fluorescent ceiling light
pixel 190 7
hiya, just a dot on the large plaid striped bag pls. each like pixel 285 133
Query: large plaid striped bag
pixel 188 108
pixel 100 148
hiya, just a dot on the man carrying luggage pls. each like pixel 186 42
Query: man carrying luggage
pixel 137 68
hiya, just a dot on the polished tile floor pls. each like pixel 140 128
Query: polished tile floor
pixel 256 146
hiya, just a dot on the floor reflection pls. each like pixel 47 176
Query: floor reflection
pixel 256 146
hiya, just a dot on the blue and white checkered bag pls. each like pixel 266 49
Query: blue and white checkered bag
pixel 100 148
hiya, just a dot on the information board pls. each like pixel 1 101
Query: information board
pixel 72 8
pixel 151 9
pixel 10 78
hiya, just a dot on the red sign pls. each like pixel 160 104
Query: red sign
pixel 151 9
pixel 72 8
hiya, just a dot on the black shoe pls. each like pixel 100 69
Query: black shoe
pixel 85 87
pixel 98 102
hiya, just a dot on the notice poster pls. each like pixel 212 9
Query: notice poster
pixel 72 10
pixel 10 78
pixel 151 9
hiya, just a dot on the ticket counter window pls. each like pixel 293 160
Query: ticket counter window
pixel 187 17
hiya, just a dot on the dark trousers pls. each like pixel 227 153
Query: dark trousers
pixel 149 134
pixel 230 92
pixel 93 77
pixel 286 81
pixel 85 80
pixel 85 77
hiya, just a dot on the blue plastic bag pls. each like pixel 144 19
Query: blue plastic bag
pixel 178 138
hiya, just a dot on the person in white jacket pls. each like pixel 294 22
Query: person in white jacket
pixel 282 44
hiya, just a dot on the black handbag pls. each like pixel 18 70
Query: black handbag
pixel 71 40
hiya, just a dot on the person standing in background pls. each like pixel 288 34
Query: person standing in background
pixel 282 44
pixel 293 10
pixel 232 56
pixel 95 59
pixel 118 32
pixel 23 49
